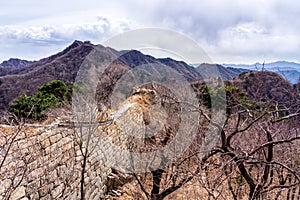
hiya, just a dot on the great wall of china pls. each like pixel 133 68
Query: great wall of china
pixel 46 161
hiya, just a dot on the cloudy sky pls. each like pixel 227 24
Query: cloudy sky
pixel 230 31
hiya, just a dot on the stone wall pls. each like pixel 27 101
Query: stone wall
pixel 46 163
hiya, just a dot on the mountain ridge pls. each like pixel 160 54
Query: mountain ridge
pixel 64 65
pixel 288 70
pixel 15 62
pixel 61 66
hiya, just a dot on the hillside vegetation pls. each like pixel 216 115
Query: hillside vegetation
pixel 248 150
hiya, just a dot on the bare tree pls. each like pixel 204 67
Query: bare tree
pixel 89 123
pixel 12 169
pixel 253 158
pixel 254 153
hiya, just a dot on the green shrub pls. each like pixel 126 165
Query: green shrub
pixel 234 97
pixel 57 88
pixel 52 94
pixel 32 107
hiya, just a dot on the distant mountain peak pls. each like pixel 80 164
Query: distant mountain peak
pixel 15 62
pixel 76 44
pixel 135 58
pixel 289 70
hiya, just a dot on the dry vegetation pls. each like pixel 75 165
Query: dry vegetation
pixel 256 155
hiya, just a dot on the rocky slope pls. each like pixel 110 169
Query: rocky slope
pixel 266 86
pixel 64 66
pixel 19 76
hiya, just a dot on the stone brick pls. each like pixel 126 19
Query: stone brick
pixel 34 196
pixel 54 138
pixel 45 143
pixel 32 187
pixel 4 185
pixel 47 197
pixel 53 175
pixel 57 191
pixel 35 174
pixel 45 189
pixel 18 193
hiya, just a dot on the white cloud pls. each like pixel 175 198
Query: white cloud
pixel 251 42
pixel 233 29
pixel 228 30
pixel 93 30
pixel 35 37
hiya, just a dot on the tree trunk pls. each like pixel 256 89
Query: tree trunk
pixel 156 179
